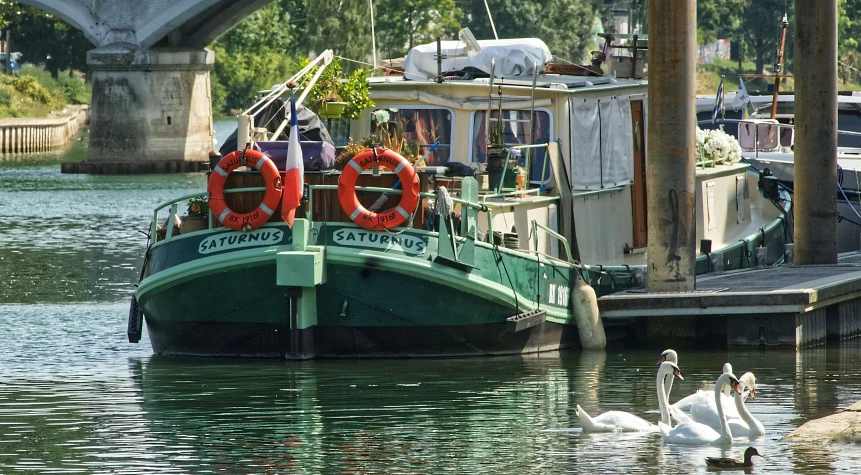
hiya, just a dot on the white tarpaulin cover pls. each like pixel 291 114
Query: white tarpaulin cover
pixel 514 58
pixel 602 146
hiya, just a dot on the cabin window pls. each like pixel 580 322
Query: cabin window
pixel 516 128
pixel 339 130
pixel 422 125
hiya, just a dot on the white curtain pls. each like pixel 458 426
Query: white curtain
pixel 585 169
pixel 602 147
pixel 617 142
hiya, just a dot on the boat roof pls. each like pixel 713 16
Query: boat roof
pixel 557 82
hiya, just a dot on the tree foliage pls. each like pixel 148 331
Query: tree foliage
pixel 402 24
pixel 43 39
pixel 251 57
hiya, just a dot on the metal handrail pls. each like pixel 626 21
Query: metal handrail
pixel 536 225
pixel 526 165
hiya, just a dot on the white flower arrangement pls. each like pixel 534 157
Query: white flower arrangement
pixel 718 147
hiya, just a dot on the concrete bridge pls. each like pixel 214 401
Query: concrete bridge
pixel 151 93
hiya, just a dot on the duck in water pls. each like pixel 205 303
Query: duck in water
pixel 728 463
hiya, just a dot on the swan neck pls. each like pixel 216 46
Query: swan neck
pixel 742 410
pixel 724 425
pixel 663 400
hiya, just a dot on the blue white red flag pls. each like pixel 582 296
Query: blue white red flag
pixel 294 176
pixel 718 102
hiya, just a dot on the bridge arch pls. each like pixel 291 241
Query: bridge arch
pixel 171 23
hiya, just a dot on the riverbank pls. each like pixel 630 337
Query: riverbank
pixel 843 427
pixel 27 135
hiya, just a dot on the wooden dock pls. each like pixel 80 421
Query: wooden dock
pixel 785 305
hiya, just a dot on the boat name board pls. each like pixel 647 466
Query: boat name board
pixel 405 243
pixel 238 240
pixel 558 294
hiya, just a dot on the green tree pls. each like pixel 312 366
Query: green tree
pixel 343 26
pixel 848 32
pixel 43 39
pixel 760 23
pixel 251 57
pixel 402 24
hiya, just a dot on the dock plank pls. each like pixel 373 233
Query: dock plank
pixel 784 289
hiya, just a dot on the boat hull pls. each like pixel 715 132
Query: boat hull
pixel 370 305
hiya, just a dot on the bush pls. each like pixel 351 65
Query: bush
pixel 29 86
pixel 74 90
pixel 5 96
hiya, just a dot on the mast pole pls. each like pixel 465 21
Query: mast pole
pixel 373 36
pixel 783 25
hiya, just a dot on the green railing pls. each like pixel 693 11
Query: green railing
pixel 536 225
pixel 174 205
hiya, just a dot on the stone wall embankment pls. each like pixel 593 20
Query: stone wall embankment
pixel 43 134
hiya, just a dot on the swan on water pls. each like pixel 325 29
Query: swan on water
pixel 695 433
pixel 741 421
pixel 705 396
pixel 621 421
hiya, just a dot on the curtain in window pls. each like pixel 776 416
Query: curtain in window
pixel 602 147
pixel 425 126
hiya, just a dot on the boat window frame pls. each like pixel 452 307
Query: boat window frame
pixel 470 138
pixel 452 130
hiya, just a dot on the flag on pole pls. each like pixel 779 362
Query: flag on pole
pixel 718 102
pixel 294 178
pixel 741 97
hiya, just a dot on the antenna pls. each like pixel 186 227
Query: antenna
pixel 469 40
pixel 373 36
pixel 492 26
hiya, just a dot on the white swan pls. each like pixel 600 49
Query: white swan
pixel 673 357
pixel 705 396
pixel 741 421
pixel 621 421
pixel 694 433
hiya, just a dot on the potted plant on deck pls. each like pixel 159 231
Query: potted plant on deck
pixel 335 94
pixel 197 215
pixel 497 153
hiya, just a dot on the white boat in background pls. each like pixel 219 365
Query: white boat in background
pixel 767 144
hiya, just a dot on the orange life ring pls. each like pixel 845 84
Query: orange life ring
pixel 384 219
pixel 215 190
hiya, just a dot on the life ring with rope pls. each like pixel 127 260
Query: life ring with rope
pixel 392 217
pixel 215 190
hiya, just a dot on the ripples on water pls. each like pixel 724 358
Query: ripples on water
pixel 75 397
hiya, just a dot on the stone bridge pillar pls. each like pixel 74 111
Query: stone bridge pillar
pixel 151 109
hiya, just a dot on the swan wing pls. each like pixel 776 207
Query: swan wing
pixel 614 421
pixel 740 428
pixel 705 411
pixel 691 434
pixel 685 403
pixel 680 416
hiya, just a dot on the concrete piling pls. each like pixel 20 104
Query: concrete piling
pixel 671 173
pixel 815 131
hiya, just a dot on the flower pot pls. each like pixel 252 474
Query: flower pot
pixel 193 223
pixel 331 110
pixel 496 158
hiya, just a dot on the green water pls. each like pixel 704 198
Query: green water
pixel 75 397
